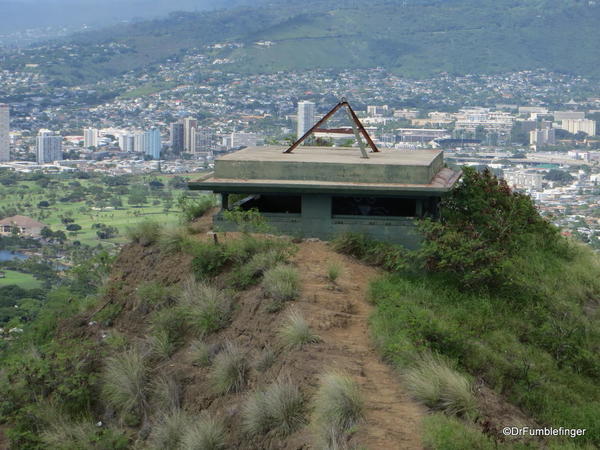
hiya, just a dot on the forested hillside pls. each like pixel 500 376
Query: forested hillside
pixel 413 38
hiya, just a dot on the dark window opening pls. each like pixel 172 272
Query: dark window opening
pixel 290 204
pixel 373 206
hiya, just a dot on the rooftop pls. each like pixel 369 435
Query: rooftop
pixel 327 169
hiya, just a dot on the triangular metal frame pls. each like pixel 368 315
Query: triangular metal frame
pixel 357 129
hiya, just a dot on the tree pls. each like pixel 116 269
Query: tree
pixel 137 198
pixel 43 204
pixel 73 227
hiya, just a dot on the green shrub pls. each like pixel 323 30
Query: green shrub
pixel 205 433
pixel 248 273
pixel 281 283
pixel 278 408
pixel 209 259
pixel 193 208
pixel 391 257
pixel 295 332
pixel 441 432
pixel 229 369
pixel 126 382
pixel 168 431
pixel 67 435
pixel 144 233
pixel 338 408
pixel 208 307
pixel 438 386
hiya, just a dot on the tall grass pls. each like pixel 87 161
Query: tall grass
pixel 281 283
pixel 229 369
pixel 279 408
pixel 295 331
pixel 203 354
pixel 204 433
pixel 167 432
pixel 208 307
pixel 433 382
pixel 166 392
pixel 151 296
pixel 126 382
pixel 174 239
pixel 144 233
pixel 171 324
pixel 334 270
pixel 338 408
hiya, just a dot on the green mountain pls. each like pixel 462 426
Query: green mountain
pixel 410 37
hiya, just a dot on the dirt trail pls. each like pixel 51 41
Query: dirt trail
pixel 340 313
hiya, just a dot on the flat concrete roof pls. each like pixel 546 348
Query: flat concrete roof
pixel 335 155
pixel 331 164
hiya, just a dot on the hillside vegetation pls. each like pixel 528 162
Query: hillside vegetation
pixel 500 296
pixel 410 37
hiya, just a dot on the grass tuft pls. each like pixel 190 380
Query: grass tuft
pixel 205 433
pixel 174 239
pixel 145 233
pixel 203 354
pixel 266 359
pixel 433 382
pixel 166 393
pixel 167 432
pixel 334 270
pixel 281 283
pixel 278 408
pixel 125 382
pixel 208 307
pixel 338 408
pixel 295 332
pixel 229 369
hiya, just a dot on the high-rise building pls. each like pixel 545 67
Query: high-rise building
pixel 153 143
pixel 4 132
pixel 49 147
pixel 189 126
pixel 90 137
pixel 177 137
pixel 574 126
pixel 544 136
pixel 126 142
pixel 306 117
pixel 202 141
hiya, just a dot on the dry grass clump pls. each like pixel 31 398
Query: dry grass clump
pixel 279 408
pixel 338 408
pixel 174 239
pixel 334 270
pixel 295 332
pixel 229 369
pixel 266 358
pixel 126 382
pixel 202 354
pixel 167 432
pixel 161 346
pixel 281 283
pixel 433 382
pixel 166 392
pixel 145 233
pixel 171 324
pixel 208 307
pixel 63 433
pixel 204 433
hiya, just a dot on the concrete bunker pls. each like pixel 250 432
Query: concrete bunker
pixel 323 191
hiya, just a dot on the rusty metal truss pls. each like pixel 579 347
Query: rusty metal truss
pixel 357 129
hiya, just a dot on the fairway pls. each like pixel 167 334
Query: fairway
pixel 66 200
pixel 24 280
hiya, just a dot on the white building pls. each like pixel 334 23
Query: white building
pixel 203 141
pixel 306 117
pixel 90 137
pixel 524 180
pixel 492 121
pixel 189 128
pixel 566 115
pixel 4 132
pixel 378 111
pixel 240 139
pixel 49 147
pixel 574 126
pixel 126 142
pixel 545 136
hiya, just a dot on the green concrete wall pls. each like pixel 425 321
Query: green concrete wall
pixel 316 222
pixel 341 172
